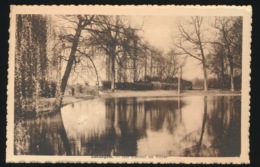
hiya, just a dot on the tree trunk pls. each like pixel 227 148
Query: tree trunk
pixel 231 65
pixel 124 72
pixel 204 68
pixel 62 86
pixel 119 73
pixel 179 82
pixel 108 68
pixel 134 62
pixel 205 76
pixel 113 72
pixel 232 88
pixel 222 72
pixel 151 67
pixel 134 70
pixel 145 66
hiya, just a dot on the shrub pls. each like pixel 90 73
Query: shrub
pixel 133 86
pixel 169 86
pixel 214 83
pixel 91 91
pixel 52 89
pixel 171 80
pixel 25 107
pixel 106 84
pixel 149 79
pixel 79 88
pixel 142 86
pixel 47 88
pixel 237 82
pixel 186 85
pixel 156 85
pixel 156 79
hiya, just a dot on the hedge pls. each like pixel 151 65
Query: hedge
pixel 146 86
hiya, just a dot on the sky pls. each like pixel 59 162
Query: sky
pixel 159 32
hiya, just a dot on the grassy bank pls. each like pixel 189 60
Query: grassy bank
pixel 45 105
pixel 123 93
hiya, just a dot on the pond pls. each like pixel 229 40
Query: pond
pixel 205 126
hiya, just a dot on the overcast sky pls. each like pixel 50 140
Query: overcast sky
pixel 158 31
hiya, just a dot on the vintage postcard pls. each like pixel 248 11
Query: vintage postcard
pixel 129 84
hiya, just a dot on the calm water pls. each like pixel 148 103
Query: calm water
pixel 184 126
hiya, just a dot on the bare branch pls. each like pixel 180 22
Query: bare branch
pixel 187 52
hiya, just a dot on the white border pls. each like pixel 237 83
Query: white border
pixel 245 11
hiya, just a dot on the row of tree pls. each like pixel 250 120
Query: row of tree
pixel 44 42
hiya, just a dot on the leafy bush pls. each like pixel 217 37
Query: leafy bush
pixel 156 85
pixel 91 91
pixel 47 88
pixel 169 86
pixel 186 85
pixel 25 107
pixel 52 89
pixel 214 83
pixel 106 84
pixel 225 84
pixel 79 88
pixel 149 79
pixel 124 86
pixel 237 82
pixel 128 85
pixel 133 86
pixel 142 86
pixel 171 80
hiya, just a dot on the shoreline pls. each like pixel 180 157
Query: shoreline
pixel 129 93
pixel 168 93
pixel 46 111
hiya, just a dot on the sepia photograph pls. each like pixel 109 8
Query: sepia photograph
pixel 118 84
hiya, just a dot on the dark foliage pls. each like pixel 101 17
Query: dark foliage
pixel 48 88
pixel 214 83
pixel 155 85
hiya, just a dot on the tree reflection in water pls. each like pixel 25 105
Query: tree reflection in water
pixel 220 130
pixel 176 126
pixel 41 136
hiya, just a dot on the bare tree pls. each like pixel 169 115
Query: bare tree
pixel 218 64
pixel 106 35
pixel 172 63
pixel 112 35
pixel 89 54
pixel 230 40
pixel 191 43
pixel 80 23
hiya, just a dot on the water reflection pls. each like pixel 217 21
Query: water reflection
pixel 176 126
pixel 42 136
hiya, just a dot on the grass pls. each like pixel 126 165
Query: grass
pixel 213 92
pixel 46 105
